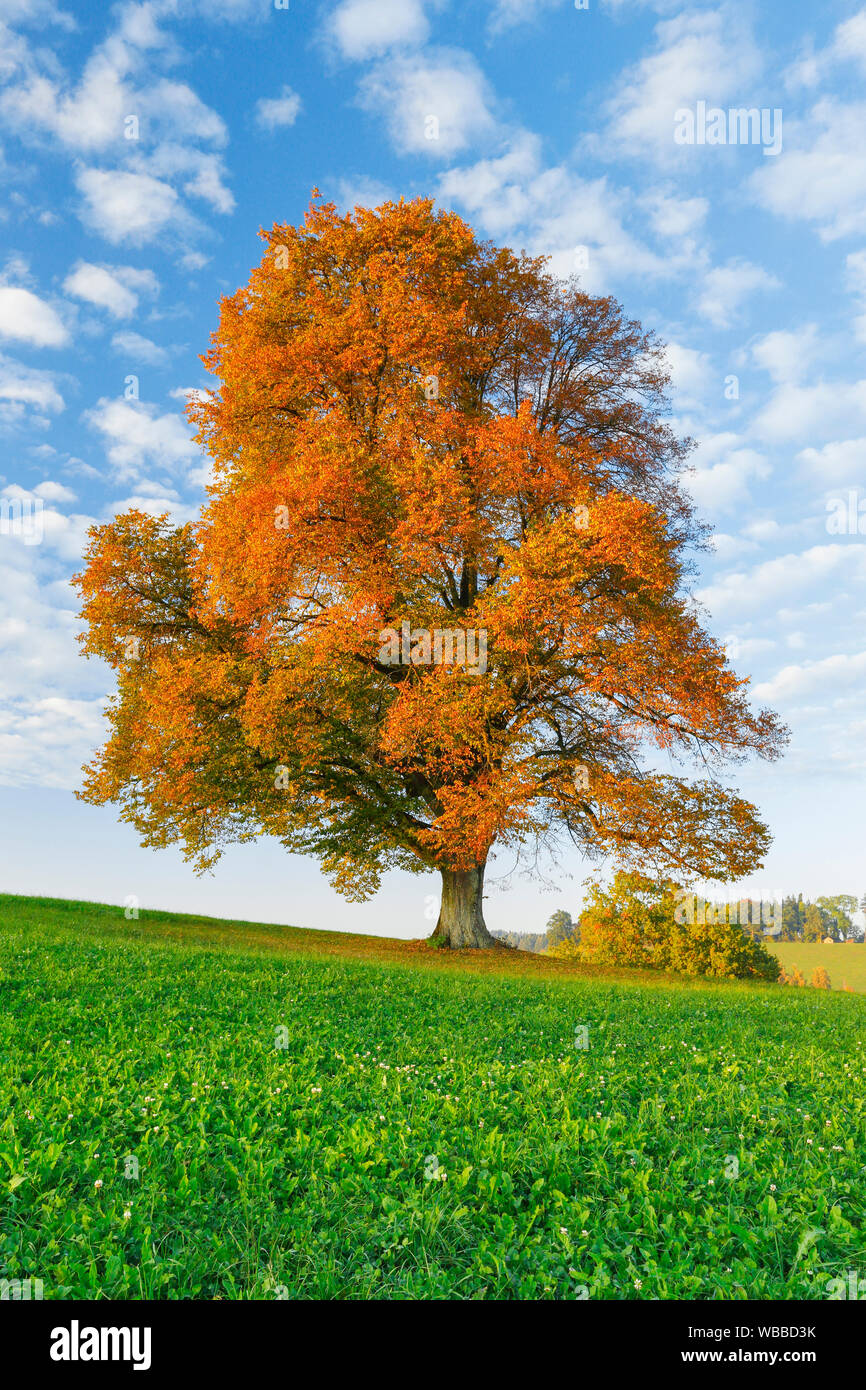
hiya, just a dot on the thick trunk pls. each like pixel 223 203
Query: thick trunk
pixel 461 916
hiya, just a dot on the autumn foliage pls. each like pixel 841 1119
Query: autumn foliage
pixel 638 921
pixel 411 426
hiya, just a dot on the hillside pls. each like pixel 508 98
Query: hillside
pixel 225 1110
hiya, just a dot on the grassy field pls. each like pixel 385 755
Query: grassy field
pixel 201 1109
pixel 845 964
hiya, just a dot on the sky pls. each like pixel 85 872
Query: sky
pixel 143 146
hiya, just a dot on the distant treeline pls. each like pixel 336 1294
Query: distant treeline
pixel 800 919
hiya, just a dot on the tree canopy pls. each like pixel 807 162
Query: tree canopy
pixel 414 433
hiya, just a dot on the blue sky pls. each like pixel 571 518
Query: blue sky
pixel 144 145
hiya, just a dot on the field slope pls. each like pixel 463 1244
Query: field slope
pixel 204 1109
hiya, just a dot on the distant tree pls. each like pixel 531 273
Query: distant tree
pixel 838 909
pixel 560 928
pixel 791 920
pixel 815 923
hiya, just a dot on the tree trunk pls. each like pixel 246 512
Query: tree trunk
pixel 461 916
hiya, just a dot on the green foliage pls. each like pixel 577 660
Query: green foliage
pixel 635 922
pixel 299 1170
pixel 559 928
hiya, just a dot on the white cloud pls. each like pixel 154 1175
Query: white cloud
pixel 700 55
pixel 726 287
pixel 724 467
pixel 823 677
pixel 365 28
pixel 200 173
pixel 673 217
pixel 27 318
pixel 798 411
pixel 272 112
pixel 840 461
pixel 123 206
pixel 137 436
pixel 782 578
pixel 115 288
pixel 822 177
pixel 140 349
pixel 578 223
pixel 435 103
pixel 787 356
pixel 509 13
pixel 28 387
pixel 849 40
pixel 50 491
pixel 691 374
pixel 45 741
pixel 362 192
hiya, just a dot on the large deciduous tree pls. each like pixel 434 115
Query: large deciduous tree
pixel 438 598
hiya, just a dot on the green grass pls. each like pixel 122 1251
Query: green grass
pixel 301 1170
pixel 845 964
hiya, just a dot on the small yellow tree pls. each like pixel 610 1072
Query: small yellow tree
pixel 820 978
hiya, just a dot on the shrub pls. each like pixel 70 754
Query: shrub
pixel 820 978
pixel 634 923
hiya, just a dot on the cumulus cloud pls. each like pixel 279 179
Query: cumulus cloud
pixel 840 461
pixel 579 223
pixel 140 349
pixel 365 28
pixel 825 677
pixel 705 55
pixel 724 469
pixel 137 437
pixel 783 578
pixel 727 287
pixel 24 388
pixel 122 112
pixel 787 356
pixel 112 287
pixel 434 103
pixel 272 112
pixel 507 14
pixel 822 178
pixel 124 206
pixel 799 411
pixel 29 319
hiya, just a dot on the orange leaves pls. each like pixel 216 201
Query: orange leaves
pixel 413 427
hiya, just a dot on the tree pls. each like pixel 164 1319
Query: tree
pixel 636 922
pixel 816 923
pixel 820 978
pixel 838 909
pixel 560 928
pixel 791 919
pixel 437 601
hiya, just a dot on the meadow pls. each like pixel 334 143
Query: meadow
pixel 845 963
pixel 213 1110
